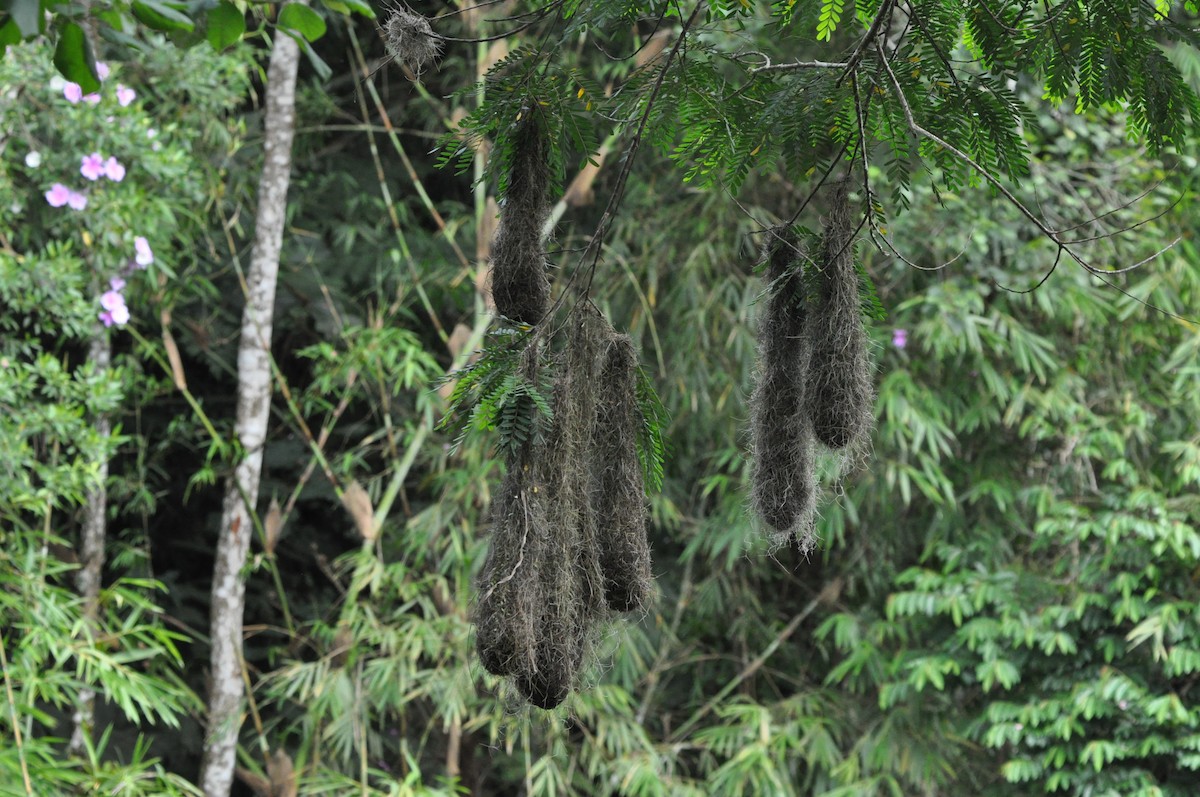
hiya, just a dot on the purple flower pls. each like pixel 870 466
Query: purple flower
pixel 144 256
pixel 120 315
pixel 58 195
pixel 116 283
pixel 125 95
pixel 106 318
pixel 72 92
pixel 92 166
pixel 900 337
pixel 111 300
pixel 114 170
pixel 76 200
pixel 102 70
pixel 92 98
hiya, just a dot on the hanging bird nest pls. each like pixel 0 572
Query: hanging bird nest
pixel 783 485
pixel 519 284
pixel 617 488
pixel 839 391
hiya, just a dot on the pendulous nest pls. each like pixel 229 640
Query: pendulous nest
pixel 575 407
pixel 838 390
pixel 409 39
pixel 568 539
pixel 508 611
pixel 783 484
pixel 617 486
pixel 520 286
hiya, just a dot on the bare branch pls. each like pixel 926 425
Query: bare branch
pixel 797 65
pixel 1064 247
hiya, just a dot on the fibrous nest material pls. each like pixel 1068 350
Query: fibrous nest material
pixel 507 613
pixel 568 464
pixel 617 486
pixel 520 286
pixel 838 390
pixel 783 483
pixel 568 522
pixel 571 591
pixel 409 39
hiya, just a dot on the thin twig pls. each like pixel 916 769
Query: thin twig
pixel 1063 246
pixel 520 555
pixel 798 65
pixel 749 670
pixel 614 202
pixel 16 725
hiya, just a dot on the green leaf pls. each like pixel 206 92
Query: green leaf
pixel 225 25
pixel 26 13
pixel 831 14
pixel 348 6
pixel 305 21
pixel 323 70
pixel 160 16
pixel 9 34
pixel 73 58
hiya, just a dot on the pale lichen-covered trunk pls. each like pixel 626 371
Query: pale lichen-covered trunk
pixel 225 692
pixel 91 546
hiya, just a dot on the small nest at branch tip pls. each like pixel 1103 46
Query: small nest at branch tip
pixel 618 490
pixel 520 287
pixel 410 40
pixel 783 484
pixel 839 391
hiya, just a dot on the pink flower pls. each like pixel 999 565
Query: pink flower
pixel 144 256
pixel 92 166
pixel 58 195
pixel 900 338
pixel 114 170
pixel 76 200
pixel 125 95
pixel 115 311
pixel 116 283
pixel 111 300
pixel 92 98
pixel 102 70
pixel 72 92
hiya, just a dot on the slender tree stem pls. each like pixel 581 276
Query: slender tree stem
pixel 226 692
pixel 91 553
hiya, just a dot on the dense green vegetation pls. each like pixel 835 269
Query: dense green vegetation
pixel 1003 596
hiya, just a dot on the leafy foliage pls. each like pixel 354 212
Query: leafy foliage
pixel 1003 603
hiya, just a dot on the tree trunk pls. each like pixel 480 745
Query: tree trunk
pixel 91 547
pixel 225 694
